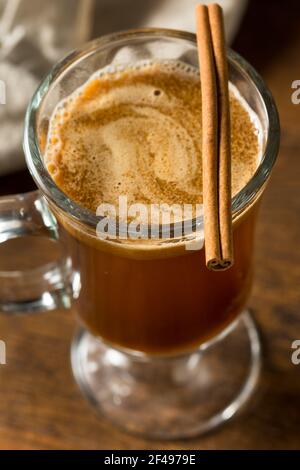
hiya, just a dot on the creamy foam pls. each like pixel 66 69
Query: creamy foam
pixel 137 132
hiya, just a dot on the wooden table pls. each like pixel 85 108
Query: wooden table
pixel 41 406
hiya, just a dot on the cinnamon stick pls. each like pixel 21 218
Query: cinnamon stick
pixel 209 135
pixel 216 147
pixel 224 133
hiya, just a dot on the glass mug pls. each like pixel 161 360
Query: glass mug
pixel 165 348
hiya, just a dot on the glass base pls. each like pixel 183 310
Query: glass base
pixel 170 397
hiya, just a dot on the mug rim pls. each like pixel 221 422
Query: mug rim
pixel 34 159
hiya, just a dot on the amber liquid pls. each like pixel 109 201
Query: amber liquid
pixel 162 305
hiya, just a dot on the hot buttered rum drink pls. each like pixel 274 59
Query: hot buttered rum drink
pixel 136 132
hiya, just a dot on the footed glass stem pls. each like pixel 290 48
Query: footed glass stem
pixel 170 397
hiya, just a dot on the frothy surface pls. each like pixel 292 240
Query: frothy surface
pixel 137 132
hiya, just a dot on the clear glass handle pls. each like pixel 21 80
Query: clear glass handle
pixel 35 269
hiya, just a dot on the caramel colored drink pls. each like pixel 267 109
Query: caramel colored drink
pixel 137 132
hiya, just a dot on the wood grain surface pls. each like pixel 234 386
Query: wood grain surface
pixel 40 404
